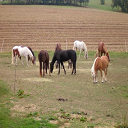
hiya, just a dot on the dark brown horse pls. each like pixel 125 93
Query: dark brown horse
pixel 43 56
pixel 58 47
pixel 102 50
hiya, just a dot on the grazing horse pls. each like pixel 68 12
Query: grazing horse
pixel 58 47
pixel 81 46
pixel 61 56
pixel 100 63
pixel 43 56
pixel 101 49
pixel 22 51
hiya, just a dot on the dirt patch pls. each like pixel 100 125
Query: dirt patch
pixel 25 108
pixel 38 79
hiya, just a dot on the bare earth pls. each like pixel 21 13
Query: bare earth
pixel 41 27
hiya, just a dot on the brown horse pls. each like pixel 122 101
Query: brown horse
pixel 101 50
pixel 43 56
pixel 57 47
pixel 100 63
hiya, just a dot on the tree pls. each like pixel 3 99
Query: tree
pixel 102 2
pixel 123 4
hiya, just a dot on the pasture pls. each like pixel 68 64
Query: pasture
pixel 103 104
pixel 70 100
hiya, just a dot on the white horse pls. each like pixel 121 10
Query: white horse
pixel 81 46
pixel 22 51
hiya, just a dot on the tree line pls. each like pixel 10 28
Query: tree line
pixel 122 4
pixel 52 2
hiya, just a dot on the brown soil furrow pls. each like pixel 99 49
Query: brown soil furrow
pixel 37 26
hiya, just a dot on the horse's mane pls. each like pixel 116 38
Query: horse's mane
pixel 31 51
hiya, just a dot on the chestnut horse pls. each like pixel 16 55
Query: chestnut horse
pixel 43 56
pixel 100 63
pixel 23 51
pixel 101 50
pixel 57 47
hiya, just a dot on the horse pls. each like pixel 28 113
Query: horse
pixel 100 63
pixel 101 50
pixel 22 51
pixel 64 55
pixel 43 56
pixel 81 46
pixel 58 47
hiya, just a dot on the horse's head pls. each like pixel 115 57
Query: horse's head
pixel 51 67
pixel 107 54
pixel 33 59
pixel 57 47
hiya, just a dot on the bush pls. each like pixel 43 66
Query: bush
pixel 102 2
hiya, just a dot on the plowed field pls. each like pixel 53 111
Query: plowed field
pixel 41 27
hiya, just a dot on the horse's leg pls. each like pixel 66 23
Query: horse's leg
pixel 14 59
pixel 63 67
pixel 106 75
pixel 27 60
pixel 40 69
pixel 44 66
pixel 74 68
pixel 79 53
pixel 59 67
pixel 101 76
pixel 49 70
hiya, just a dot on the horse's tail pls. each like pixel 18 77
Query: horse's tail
pixel 12 55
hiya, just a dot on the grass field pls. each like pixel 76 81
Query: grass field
pixel 67 100
pixel 107 7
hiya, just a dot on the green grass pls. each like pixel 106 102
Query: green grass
pixel 83 96
pixel 97 5
pixel 6 119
